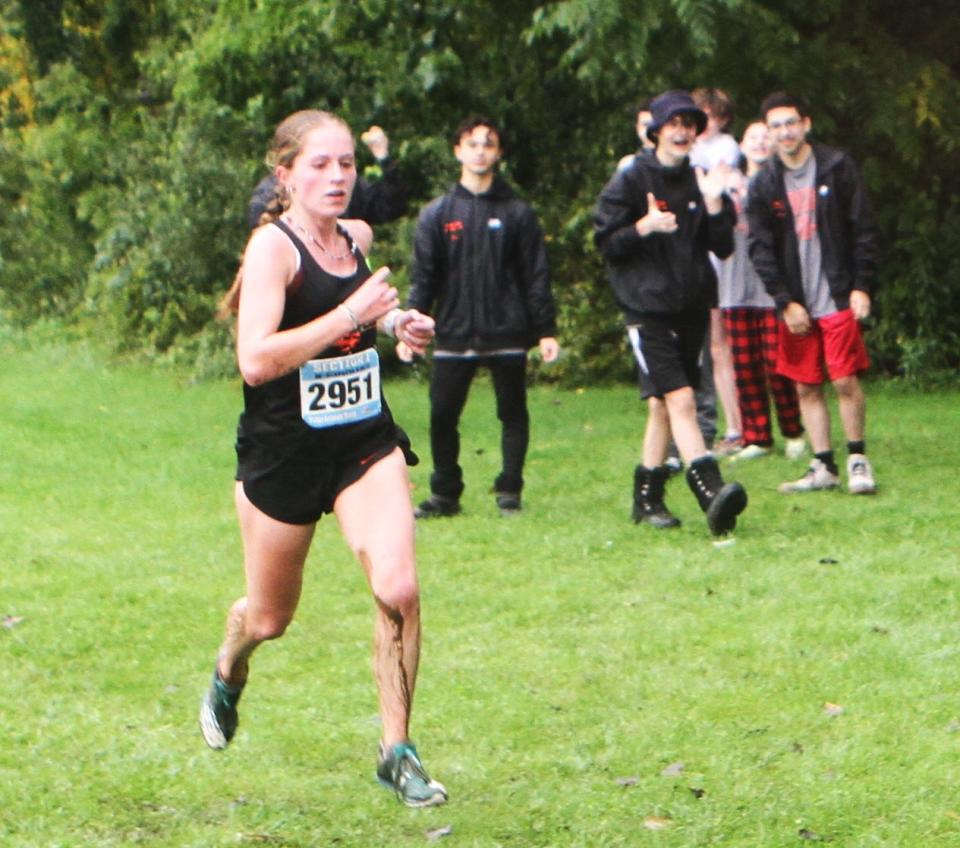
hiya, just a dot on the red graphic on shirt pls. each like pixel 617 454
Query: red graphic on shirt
pixel 803 202
pixel 348 343
pixel 742 226
pixel 453 229
pixel 662 205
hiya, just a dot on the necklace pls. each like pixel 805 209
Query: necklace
pixel 335 257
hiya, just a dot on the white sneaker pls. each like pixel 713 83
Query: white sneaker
pixel 794 448
pixel 860 475
pixel 818 477
pixel 750 452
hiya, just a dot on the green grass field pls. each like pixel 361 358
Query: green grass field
pixel 585 682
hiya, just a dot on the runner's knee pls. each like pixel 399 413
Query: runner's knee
pixel 397 589
pixel 267 625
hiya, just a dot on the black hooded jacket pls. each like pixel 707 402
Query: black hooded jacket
pixel 480 269
pixel 848 237
pixel 662 273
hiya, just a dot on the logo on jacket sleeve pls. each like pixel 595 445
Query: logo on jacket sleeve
pixel 453 230
pixel 779 209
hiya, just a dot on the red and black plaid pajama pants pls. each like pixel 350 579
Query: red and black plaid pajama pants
pixel 753 342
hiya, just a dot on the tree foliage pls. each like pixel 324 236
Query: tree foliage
pixel 131 134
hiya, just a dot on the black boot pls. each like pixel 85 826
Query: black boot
pixel 648 505
pixel 722 502
pixel 437 506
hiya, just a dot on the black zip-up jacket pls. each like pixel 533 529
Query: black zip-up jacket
pixel 480 268
pixel 848 237
pixel 662 273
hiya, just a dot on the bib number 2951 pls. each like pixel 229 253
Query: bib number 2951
pixel 340 390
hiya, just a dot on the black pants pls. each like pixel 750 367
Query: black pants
pixel 449 386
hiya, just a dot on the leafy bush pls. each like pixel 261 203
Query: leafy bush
pixel 131 136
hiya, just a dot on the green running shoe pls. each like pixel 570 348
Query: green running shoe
pixel 218 713
pixel 402 771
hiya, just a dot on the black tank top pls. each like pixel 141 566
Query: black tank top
pixel 271 417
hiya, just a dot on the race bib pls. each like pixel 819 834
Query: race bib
pixel 340 390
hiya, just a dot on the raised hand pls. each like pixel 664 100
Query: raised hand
pixel 656 221
pixel 376 139
pixel 375 298
pixel 712 184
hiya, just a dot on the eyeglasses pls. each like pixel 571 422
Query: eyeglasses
pixel 788 123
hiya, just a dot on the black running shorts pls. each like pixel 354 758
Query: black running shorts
pixel 668 350
pixel 295 490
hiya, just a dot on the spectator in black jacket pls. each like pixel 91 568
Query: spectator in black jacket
pixel 656 223
pixel 374 202
pixel 814 245
pixel 480 268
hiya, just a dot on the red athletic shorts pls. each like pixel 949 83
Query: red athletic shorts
pixel 835 340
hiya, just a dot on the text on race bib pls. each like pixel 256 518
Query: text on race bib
pixel 340 390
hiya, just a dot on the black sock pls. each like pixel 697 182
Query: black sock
pixel 857 447
pixel 826 457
